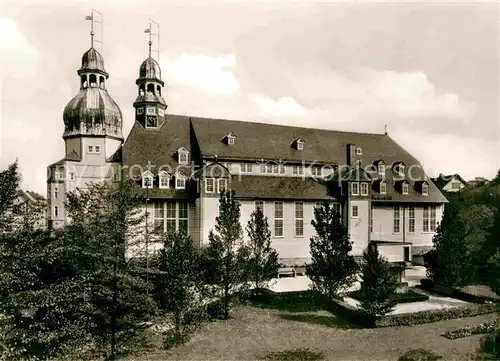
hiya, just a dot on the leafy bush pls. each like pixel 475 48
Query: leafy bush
pixel 490 347
pixel 419 354
pixel 406 297
pixel 485 327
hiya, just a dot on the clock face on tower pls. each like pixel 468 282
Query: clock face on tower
pixel 151 121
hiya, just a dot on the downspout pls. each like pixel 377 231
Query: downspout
pixel 404 224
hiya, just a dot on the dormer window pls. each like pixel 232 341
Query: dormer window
pixel 405 188
pixel 180 182
pixel 359 151
pixel 355 189
pixel 381 169
pixel 425 189
pixel 399 168
pixel 230 139
pixel 298 143
pixel 383 188
pixel 183 156
pixel 147 180
pixel 163 180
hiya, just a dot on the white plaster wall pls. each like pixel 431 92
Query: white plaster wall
pixel 393 253
pixel 449 186
pixel 359 227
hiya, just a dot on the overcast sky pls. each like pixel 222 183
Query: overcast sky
pixel 430 71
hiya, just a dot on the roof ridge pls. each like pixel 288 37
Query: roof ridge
pixel 274 124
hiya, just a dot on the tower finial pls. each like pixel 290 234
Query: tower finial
pixel 92 32
pixel 385 129
pixel 150 43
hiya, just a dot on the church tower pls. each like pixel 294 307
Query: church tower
pixel 149 106
pixel 92 136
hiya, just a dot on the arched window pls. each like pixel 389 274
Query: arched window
pixel 141 89
pixel 158 90
pixel 84 81
pixel 151 88
pixel 101 82
pixel 92 80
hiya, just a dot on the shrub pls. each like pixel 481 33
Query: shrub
pixel 419 354
pixel 298 354
pixel 406 297
pixel 485 327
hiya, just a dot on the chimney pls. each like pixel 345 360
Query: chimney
pixel 351 155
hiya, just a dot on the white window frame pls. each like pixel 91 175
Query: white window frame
pixel 355 189
pixel 278 219
pixel 56 192
pixel 372 212
pixel 183 157
pixel 150 111
pixel 359 151
pixel 300 145
pixel 354 211
pixel 161 178
pixel 168 215
pixel 297 170
pixel 405 188
pixel 219 182
pixel 433 219
pixel 317 171
pixel 401 170
pixel 381 169
pixel 337 207
pixel 172 216
pixel 97 149
pixel 56 211
pixel 182 184
pixel 299 219
pixel 209 188
pixel 59 174
pixel 90 149
pixel 230 140
pixel 396 224
pixel 263 168
pixel 140 111
pixel 411 219
pixel 161 112
pixel 383 188
pixel 425 189
pixel 364 189
pixel 147 175
pixel 246 167
pixel 256 205
pixel 159 215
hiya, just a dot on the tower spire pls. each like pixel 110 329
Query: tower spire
pixel 151 34
pixel 92 32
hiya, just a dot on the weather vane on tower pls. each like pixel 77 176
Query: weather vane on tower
pixel 151 34
pixel 92 20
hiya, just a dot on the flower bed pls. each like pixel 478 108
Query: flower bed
pixel 485 327
pixel 406 297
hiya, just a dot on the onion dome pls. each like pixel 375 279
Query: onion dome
pixel 92 61
pixel 150 70
pixel 92 111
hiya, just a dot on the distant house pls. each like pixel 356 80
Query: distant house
pixel 28 201
pixel 449 183
pixel 477 181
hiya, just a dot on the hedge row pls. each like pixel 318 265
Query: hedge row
pixel 429 285
pixel 485 327
pixel 405 297
pixel 409 319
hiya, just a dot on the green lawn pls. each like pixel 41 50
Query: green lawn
pixel 261 332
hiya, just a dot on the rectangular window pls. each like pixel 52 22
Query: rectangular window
pixel 425 189
pixel 161 112
pixel 180 183
pixel 359 151
pixel 97 149
pixel 364 189
pixel 183 217
pixel 397 220
pixel 411 219
pixel 147 182
pixel 381 169
pixel 282 169
pixel 140 111
pixel 425 219
pixel 455 185
pixel 159 217
pixel 222 185
pixel 276 168
pixel 164 181
pixel 60 174
pixel 183 158
pixel 90 149
pixel 171 217
pixel 56 192
pixel 259 204
pixel 278 219
pixel 263 168
pixel 299 219
pixel 405 188
pixel 383 188
pixel 151 111
pixel 337 208
pixel 230 140
pixel 56 211
pixel 433 218
pixel 300 146
pixel 298 170
pixel 317 171
pixel 355 189
pixel 269 168
pixel 72 176
pixel 246 167
pixel 371 218
pixel 209 185
pixel 401 170
pixel 354 212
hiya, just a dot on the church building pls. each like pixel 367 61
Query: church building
pixel 182 163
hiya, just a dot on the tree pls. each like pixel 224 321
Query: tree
pixel 107 223
pixel 9 185
pixel 263 262
pixel 451 265
pixel 224 258
pixel 179 289
pixel 378 284
pixel 332 269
